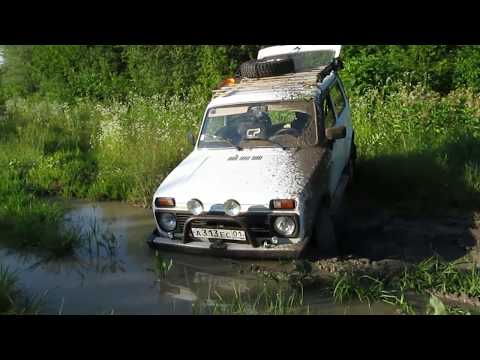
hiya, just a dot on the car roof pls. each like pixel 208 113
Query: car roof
pixel 260 96
pixel 293 86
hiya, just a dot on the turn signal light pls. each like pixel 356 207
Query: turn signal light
pixel 229 82
pixel 284 204
pixel 164 202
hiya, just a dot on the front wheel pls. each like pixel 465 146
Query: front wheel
pixel 351 168
pixel 324 235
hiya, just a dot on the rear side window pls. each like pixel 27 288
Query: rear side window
pixel 338 99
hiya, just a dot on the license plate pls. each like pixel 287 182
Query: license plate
pixel 223 234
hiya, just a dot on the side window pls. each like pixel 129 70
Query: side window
pixel 338 99
pixel 328 114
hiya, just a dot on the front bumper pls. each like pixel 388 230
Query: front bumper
pixel 229 250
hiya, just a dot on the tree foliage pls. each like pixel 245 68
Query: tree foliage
pixel 103 72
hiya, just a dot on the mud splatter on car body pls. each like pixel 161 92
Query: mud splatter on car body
pixel 261 149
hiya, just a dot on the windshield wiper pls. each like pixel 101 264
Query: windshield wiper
pixel 284 147
pixel 238 147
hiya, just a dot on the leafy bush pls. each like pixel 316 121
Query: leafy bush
pixel 65 73
pixel 377 66
pixel 467 67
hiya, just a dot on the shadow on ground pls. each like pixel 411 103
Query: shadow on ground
pixel 414 206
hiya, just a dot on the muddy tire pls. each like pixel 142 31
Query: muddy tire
pixel 266 68
pixel 351 168
pixel 249 69
pixel 324 235
pixel 275 67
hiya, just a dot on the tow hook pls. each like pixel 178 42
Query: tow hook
pixel 272 243
pixel 218 244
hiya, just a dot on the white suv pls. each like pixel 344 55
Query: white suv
pixel 271 162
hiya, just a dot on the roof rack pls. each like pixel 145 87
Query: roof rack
pixel 302 81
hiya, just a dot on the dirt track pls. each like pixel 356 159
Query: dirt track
pixel 378 235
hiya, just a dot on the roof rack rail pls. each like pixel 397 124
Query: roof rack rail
pixel 302 81
pixel 335 65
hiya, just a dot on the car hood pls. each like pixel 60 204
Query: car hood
pixel 253 177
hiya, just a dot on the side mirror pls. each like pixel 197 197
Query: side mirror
pixel 336 133
pixel 191 138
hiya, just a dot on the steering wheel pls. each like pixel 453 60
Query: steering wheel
pixel 287 131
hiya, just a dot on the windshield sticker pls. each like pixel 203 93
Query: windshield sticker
pixel 253 133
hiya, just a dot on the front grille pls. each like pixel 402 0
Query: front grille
pixel 256 225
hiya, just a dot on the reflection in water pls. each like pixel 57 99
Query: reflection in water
pixel 112 273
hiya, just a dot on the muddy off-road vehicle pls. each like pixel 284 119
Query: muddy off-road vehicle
pixel 271 163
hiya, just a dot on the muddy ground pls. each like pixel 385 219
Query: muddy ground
pixel 385 241
pixel 375 239
pixel 380 234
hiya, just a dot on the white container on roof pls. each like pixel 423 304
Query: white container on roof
pixel 296 49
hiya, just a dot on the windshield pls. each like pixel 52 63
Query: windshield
pixel 256 125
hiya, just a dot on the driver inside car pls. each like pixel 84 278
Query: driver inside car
pixel 257 127
pixel 230 131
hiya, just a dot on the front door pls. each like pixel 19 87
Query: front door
pixel 342 118
pixel 336 160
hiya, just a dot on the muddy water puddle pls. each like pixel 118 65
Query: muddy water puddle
pixel 114 271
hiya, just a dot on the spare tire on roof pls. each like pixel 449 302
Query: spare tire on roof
pixel 266 68
pixel 249 69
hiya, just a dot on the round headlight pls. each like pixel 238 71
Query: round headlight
pixel 195 207
pixel 284 225
pixel 231 207
pixel 168 222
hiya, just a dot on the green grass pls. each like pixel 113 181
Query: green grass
pixel 162 266
pixel 432 276
pixel 11 299
pixel 7 289
pixel 115 150
pixel 435 275
pixel 270 298
pixel 417 289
